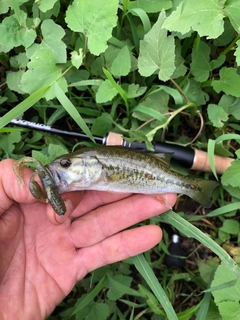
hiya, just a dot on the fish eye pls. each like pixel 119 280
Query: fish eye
pixel 65 163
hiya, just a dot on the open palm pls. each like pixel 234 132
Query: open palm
pixel 42 255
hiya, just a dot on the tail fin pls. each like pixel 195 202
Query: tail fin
pixel 201 191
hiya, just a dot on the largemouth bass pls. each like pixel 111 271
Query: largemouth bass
pixel 123 170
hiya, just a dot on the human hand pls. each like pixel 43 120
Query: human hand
pixel 43 255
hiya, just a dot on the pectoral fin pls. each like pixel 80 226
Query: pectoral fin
pixel 162 198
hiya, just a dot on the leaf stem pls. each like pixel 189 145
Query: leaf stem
pixel 230 46
pixel 180 90
pixel 172 115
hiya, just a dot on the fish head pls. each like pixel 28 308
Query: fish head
pixel 74 172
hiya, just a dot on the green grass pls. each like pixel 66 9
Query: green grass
pixel 152 71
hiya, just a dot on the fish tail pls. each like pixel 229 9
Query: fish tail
pixel 201 191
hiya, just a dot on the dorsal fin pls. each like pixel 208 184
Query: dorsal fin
pixel 164 157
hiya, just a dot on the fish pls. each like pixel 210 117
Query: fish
pixel 124 170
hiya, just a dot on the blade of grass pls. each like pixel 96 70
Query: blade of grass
pixel 90 297
pixel 69 107
pixel 147 273
pixel 84 83
pixel 213 143
pixel 210 149
pixel 23 106
pixel 222 210
pixel 143 17
pixel 203 310
pixel 118 88
pixel 189 230
pixel 151 112
pixel 113 284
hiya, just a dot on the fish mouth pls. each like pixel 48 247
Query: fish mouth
pixel 59 182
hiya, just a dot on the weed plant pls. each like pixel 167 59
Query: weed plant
pixel 163 70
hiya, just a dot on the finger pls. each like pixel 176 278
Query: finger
pixel 10 189
pixel 116 248
pixel 93 199
pixel 112 218
pixel 71 200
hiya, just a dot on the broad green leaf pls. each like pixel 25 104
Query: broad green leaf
pixel 229 82
pixel 223 275
pixel 106 92
pixel 14 81
pixel 200 65
pixel 217 63
pixel 231 175
pixel 229 310
pixel 120 285
pixel 102 125
pixel 19 61
pixel 45 5
pixel 217 115
pixel 42 71
pixel 195 93
pixel 14 34
pixel 52 34
pixel 230 226
pixel 237 53
pixel 155 105
pixel 134 90
pixel 230 105
pixel 151 6
pixel 232 10
pixel 90 297
pixel 51 152
pixel 77 58
pixel 5 5
pixel 99 311
pixel 7 142
pixel 204 16
pixel 95 19
pixel 122 63
pixel 157 52
pixel 181 69
pixel 206 267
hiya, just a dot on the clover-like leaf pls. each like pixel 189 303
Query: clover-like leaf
pixel 45 5
pixel 52 39
pixel 95 19
pixel 77 58
pixel 122 63
pixel 14 34
pixel 205 17
pixel 157 52
pixel 42 71
pixel 217 115
pixel 229 82
pixel 200 65
pixel 231 175
pixel 106 92
pixel 150 6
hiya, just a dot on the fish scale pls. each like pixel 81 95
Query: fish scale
pixel 120 169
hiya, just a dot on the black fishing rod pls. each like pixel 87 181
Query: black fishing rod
pixel 184 156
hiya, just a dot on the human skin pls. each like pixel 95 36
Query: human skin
pixel 43 255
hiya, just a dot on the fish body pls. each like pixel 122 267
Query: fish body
pixel 125 170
